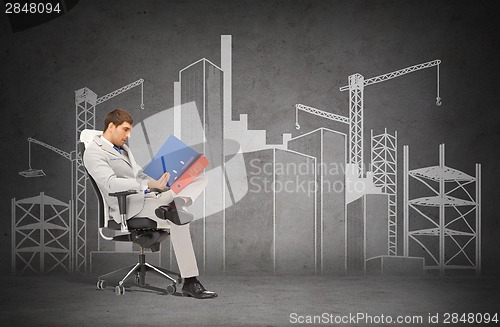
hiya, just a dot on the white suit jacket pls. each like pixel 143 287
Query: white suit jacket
pixel 115 172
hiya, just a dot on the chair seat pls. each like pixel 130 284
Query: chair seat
pixel 143 231
pixel 146 238
pixel 141 223
pixel 134 223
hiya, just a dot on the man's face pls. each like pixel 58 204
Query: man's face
pixel 120 134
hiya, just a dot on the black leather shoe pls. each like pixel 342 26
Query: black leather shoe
pixel 177 214
pixel 196 290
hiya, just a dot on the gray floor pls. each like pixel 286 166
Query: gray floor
pixel 244 300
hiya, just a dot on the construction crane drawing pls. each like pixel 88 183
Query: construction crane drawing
pixel 39 172
pixel 388 183
pixel 356 87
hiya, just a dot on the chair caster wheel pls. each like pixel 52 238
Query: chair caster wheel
pixel 119 290
pixel 101 284
pixel 171 289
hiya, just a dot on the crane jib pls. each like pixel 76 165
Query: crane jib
pixel 397 73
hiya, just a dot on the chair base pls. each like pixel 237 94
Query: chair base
pixel 138 272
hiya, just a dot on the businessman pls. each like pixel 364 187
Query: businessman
pixel 110 162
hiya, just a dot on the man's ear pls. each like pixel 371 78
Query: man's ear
pixel 111 127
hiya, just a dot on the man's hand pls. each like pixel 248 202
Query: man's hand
pixel 161 183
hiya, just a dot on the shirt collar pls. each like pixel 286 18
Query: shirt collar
pixel 105 140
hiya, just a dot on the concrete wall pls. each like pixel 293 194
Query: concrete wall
pixel 283 53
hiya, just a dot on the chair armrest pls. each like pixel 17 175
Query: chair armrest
pixel 123 193
pixel 157 190
pixel 122 196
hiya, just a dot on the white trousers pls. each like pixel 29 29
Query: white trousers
pixel 180 236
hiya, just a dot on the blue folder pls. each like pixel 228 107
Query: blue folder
pixel 174 157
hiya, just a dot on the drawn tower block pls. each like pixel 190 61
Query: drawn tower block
pixel 329 148
pixel 367 231
pixel 272 229
pixel 201 106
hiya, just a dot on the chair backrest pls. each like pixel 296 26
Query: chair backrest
pixel 86 137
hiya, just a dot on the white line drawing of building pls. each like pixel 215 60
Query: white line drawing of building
pixel 201 84
pixel 445 226
pixel 42 235
pixel 329 148
pixel 250 140
pixel 296 235
pixel 366 231
pixel 208 86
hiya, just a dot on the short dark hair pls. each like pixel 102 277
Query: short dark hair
pixel 117 117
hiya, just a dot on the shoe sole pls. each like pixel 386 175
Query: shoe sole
pixel 199 298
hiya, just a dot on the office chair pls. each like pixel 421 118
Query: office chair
pixel 139 230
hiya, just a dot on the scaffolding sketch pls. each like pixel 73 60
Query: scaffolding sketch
pixel 42 235
pixel 449 239
pixel 384 168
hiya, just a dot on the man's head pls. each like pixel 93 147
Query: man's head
pixel 117 126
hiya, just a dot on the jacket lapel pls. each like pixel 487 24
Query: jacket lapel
pixel 108 148
pixel 127 157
